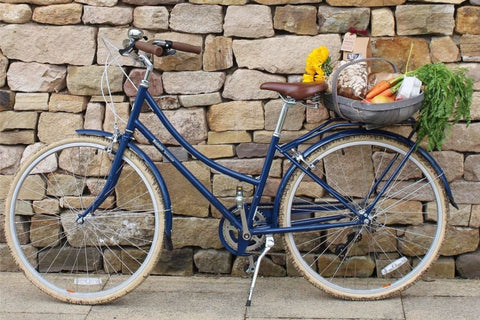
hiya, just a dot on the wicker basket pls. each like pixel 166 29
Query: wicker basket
pixel 373 114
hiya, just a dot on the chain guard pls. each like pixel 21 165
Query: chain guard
pixel 230 235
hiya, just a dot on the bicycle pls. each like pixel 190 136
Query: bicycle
pixel 362 212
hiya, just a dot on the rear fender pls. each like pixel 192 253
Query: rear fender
pixel 353 132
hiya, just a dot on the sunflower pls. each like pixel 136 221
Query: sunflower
pixel 317 65
pixel 317 77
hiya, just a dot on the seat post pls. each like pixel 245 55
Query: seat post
pixel 287 103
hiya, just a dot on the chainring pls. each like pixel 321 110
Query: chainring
pixel 230 235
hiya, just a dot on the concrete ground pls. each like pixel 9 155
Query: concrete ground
pixel 224 298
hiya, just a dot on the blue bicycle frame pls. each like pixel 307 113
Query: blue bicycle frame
pixel 297 160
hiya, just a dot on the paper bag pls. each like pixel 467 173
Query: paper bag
pixel 355 47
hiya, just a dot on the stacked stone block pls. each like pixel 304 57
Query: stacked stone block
pixel 52 59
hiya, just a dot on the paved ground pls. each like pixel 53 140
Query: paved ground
pixel 224 298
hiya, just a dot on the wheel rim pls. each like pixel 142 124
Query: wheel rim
pixel 114 231
pixel 318 272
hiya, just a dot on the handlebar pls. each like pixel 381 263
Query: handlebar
pixel 149 48
pixel 158 48
pixel 185 47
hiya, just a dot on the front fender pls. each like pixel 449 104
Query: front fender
pixel 353 132
pixel 161 182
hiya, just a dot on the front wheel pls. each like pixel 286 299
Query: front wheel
pixel 92 260
pixel 396 241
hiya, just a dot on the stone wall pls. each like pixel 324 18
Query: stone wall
pixel 52 58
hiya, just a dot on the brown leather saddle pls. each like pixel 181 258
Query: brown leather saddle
pixel 296 90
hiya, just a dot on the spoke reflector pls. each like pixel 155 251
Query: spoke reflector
pixel 87 281
pixel 394 265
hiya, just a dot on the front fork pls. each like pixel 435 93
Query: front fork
pixel 125 138
pixel 113 175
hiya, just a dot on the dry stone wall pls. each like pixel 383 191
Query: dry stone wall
pixel 51 62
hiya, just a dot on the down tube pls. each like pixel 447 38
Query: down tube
pixel 194 152
pixel 186 173
pixel 180 167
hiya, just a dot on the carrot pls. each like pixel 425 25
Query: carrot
pixel 391 91
pixel 383 85
pixel 387 92
pixel 379 87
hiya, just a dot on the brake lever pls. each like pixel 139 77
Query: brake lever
pixel 166 45
pixel 169 52
pixel 128 47
pixel 130 51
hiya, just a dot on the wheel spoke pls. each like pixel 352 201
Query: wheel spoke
pixel 110 251
pixel 396 241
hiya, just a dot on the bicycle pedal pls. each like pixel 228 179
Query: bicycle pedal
pixel 250 266
pixel 248 269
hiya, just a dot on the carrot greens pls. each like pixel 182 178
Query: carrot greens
pixel 447 99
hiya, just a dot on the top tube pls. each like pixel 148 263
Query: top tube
pixel 145 95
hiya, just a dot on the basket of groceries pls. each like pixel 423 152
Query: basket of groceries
pixel 442 94
pixel 379 99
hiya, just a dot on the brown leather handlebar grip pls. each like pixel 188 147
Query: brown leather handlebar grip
pixel 149 48
pixel 186 47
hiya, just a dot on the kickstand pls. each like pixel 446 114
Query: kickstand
pixel 268 245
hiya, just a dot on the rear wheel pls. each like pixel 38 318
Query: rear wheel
pixel 99 258
pixel 395 243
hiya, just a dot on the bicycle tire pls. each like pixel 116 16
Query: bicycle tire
pixel 108 254
pixel 402 236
